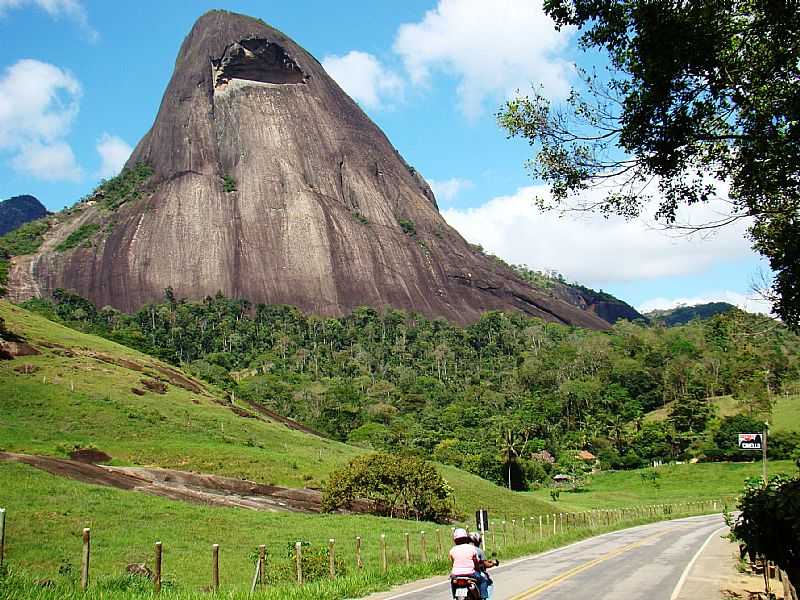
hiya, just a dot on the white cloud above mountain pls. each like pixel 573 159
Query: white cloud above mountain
pixel 114 153
pixel 447 190
pixel 73 10
pixel 38 105
pixel 491 48
pixel 591 249
pixel 365 79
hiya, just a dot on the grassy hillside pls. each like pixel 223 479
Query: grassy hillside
pixel 785 411
pixel 71 398
pixel 674 483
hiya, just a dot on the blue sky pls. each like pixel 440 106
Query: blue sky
pixel 81 81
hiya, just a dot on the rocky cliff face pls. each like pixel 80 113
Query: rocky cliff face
pixel 269 183
pixel 19 210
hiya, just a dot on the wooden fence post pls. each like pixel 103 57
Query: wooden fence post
pixel 541 533
pixel 505 538
pixel 423 546
pixel 298 559
pixel 215 567
pixel 513 531
pixel 359 562
pixel 384 561
pixel 332 557
pixel 408 548
pixel 524 531
pixel 157 572
pixel 2 535
pixel 262 560
pixel 561 520
pixel 85 559
pixel 439 542
pixel 555 524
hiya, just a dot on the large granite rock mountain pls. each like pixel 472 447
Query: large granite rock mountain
pixel 270 183
pixel 19 210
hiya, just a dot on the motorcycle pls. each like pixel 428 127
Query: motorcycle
pixel 465 588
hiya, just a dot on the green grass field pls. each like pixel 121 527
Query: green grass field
pixel 785 411
pixel 79 401
pixel 675 483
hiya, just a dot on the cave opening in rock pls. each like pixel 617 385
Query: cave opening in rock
pixel 256 60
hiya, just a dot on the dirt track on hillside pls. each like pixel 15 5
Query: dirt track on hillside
pixel 210 490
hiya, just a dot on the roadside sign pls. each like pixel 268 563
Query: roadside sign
pixel 750 441
pixel 482 520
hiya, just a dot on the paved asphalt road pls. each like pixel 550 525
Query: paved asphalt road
pixel 642 563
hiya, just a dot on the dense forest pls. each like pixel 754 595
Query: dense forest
pixel 510 398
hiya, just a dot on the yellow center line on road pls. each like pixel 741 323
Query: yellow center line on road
pixel 546 585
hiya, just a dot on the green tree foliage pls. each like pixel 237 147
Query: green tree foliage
pixel 125 187
pixel 228 184
pixel 727 437
pixel 396 486
pixel 697 94
pixel 769 523
pixel 80 236
pixel 488 398
pixel 408 227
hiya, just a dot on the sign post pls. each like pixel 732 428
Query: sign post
pixel 756 441
pixel 482 521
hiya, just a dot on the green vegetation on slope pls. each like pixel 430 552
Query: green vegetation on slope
pixel 79 236
pixel 73 399
pixel 684 314
pixel 671 484
pixel 487 398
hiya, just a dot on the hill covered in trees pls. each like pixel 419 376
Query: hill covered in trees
pixel 681 315
pixel 19 210
pixel 502 398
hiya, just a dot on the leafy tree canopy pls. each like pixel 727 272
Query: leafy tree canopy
pixel 397 486
pixel 700 96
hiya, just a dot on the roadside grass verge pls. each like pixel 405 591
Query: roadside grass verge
pixel 44 543
pixel 672 484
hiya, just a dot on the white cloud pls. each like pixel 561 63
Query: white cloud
pixel 750 303
pixel 364 78
pixel 114 153
pixel 52 162
pixel 38 104
pixel 492 48
pixel 591 249
pixel 72 9
pixel 448 189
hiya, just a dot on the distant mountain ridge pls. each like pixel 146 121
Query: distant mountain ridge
pixel 18 210
pixel 681 315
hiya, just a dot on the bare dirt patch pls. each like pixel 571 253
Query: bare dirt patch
pixel 179 485
pixel 89 455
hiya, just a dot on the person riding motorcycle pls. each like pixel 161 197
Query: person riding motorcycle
pixel 464 558
pixel 484 581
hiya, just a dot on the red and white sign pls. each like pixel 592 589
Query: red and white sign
pixel 750 441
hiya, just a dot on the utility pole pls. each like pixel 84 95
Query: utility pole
pixel 764 452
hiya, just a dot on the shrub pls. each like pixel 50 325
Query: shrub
pixel 727 440
pixel 397 486
pixel 769 523
pixel 25 239
pixel 123 188
pixel 228 184
pixel 79 236
pixel 407 226
pixel 360 218
pixel 783 444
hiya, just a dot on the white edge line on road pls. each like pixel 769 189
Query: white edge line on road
pixel 562 548
pixel 682 581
